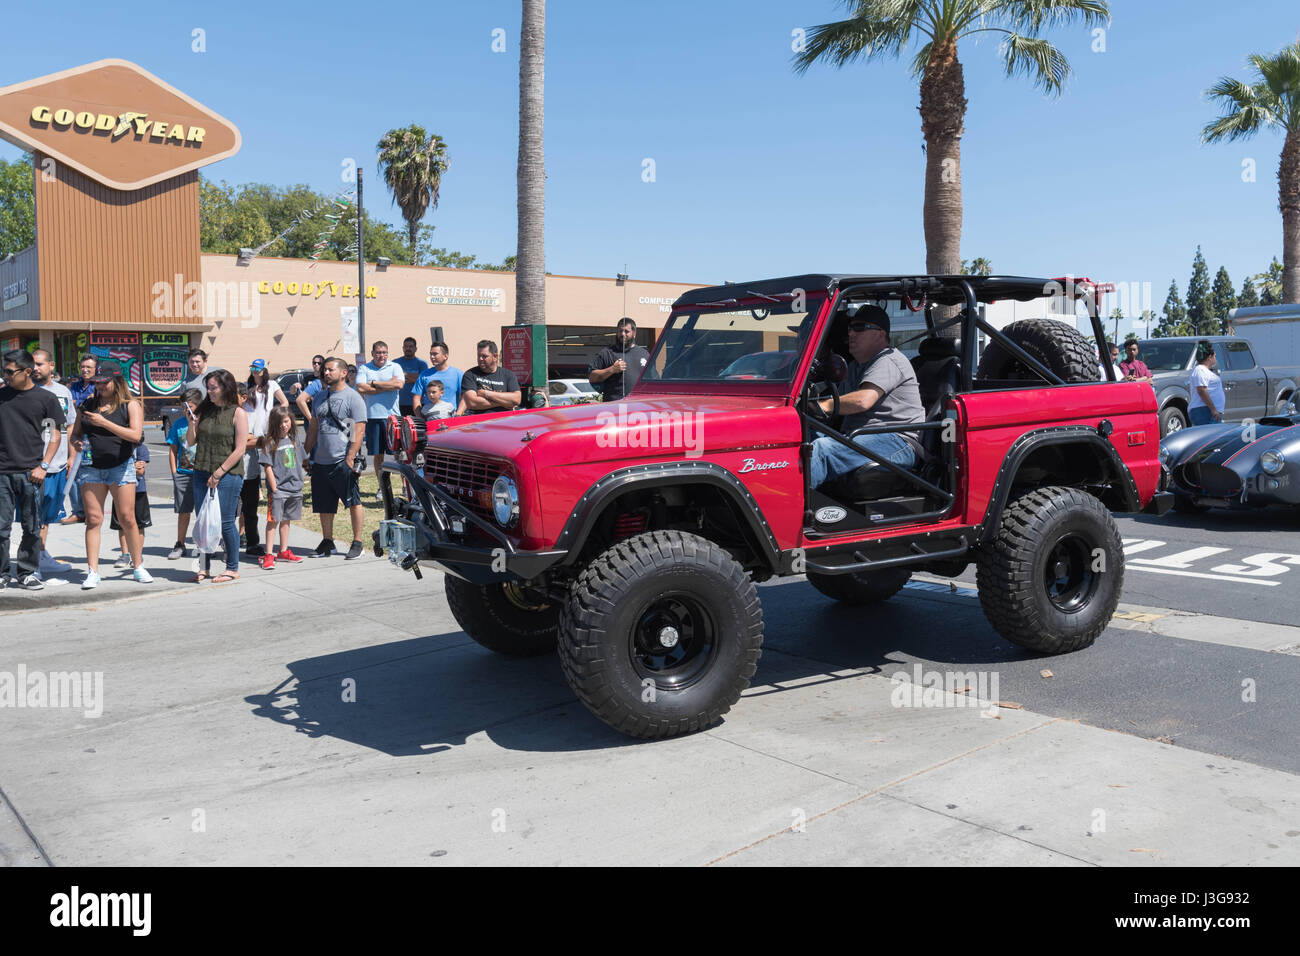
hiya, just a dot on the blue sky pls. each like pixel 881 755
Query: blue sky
pixel 758 172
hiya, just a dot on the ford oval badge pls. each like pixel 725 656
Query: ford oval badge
pixel 830 515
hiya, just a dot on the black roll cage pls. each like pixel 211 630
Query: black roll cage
pixel 904 288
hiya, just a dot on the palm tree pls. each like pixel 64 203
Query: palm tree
pixel 530 273
pixel 1271 102
pixel 412 163
pixel 880 28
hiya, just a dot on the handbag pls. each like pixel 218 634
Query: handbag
pixel 359 462
pixel 207 525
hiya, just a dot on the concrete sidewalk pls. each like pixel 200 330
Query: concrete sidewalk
pixel 336 713
pixel 67 543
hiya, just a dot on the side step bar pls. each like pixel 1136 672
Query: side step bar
pixel 848 562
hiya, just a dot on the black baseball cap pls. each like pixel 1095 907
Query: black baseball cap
pixel 873 315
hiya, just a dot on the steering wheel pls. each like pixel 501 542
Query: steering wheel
pixel 818 391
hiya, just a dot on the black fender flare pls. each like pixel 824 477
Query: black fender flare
pixel 1096 438
pixel 589 507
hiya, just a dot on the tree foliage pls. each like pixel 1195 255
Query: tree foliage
pixel 1173 320
pixel 1222 299
pixel 17 206
pixel 1198 296
pixel 1248 297
pixel 412 163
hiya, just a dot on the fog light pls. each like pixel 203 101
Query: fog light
pixel 1272 461
pixel 505 501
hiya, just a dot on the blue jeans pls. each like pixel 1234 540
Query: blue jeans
pixel 830 459
pixel 1200 415
pixel 229 488
pixel 20 499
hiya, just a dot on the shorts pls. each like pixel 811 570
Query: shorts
pixel 117 476
pixel 142 518
pixel 331 484
pixel 377 436
pixel 183 493
pixel 52 491
pixel 285 508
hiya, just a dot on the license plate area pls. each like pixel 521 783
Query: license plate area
pixel 397 538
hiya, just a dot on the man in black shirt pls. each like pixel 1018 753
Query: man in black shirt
pixel 489 388
pixel 615 370
pixel 25 413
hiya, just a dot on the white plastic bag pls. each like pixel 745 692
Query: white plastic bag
pixel 207 525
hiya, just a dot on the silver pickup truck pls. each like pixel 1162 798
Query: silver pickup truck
pixel 1251 390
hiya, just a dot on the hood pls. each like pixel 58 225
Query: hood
pixel 654 426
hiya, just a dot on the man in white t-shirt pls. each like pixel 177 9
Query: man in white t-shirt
pixel 55 484
pixel 1205 388
pixel 379 381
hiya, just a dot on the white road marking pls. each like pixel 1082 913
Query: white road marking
pixel 1183 559
pixel 1133 566
pixel 1266 564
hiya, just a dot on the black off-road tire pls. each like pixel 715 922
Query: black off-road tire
pixel 1016 587
pixel 488 615
pixel 1060 347
pixel 863 587
pixel 633 591
pixel 1172 419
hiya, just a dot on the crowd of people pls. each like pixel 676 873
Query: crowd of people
pixel 70 454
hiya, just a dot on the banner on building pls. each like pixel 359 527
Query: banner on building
pixel 350 320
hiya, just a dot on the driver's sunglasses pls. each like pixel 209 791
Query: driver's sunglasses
pixel 863 326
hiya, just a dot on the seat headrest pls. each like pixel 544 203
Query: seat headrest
pixel 938 348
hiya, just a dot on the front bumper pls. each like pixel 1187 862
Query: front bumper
pixel 432 529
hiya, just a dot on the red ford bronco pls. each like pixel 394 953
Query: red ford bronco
pixel 631 535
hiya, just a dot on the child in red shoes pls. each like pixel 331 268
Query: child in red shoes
pixel 280 455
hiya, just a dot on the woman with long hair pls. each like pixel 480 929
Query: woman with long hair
pixel 221 430
pixel 112 423
pixel 264 394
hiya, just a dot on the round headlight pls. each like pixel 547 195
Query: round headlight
pixel 1272 461
pixel 505 501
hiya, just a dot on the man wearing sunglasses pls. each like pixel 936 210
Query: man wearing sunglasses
pixel 26 412
pixel 880 389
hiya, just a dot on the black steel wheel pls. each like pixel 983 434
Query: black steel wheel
pixel 506 618
pixel 1052 576
pixel 661 634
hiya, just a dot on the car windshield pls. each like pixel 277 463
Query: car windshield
pixel 1162 355
pixel 758 344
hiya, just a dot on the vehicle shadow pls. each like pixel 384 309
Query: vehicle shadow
pixel 430 695
pixel 1224 520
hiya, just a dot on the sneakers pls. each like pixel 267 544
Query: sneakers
pixel 91 581
pixel 31 582
pixel 325 549
pixel 50 566
pixel 256 551
pixel 179 551
pixel 354 552
pixel 142 576
pixel 267 562
pixel 287 555
pixel 123 562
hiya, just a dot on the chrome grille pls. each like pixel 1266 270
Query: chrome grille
pixel 466 479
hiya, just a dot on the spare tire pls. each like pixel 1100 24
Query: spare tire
pixel 1058 345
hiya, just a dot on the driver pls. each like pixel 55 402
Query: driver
pixel 880 389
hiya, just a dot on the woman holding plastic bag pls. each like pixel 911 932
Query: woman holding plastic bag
pixel 221 427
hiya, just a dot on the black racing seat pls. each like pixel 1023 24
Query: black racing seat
pixel 937 367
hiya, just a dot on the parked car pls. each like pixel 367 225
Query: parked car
pixel 1245 465
pixel 1252 391
pixel 571 391
pixel 632 543
pixel 292 382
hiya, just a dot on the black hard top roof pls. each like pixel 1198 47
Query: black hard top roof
pixel 942 290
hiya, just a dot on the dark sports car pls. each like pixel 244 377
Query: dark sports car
pixel 1234 465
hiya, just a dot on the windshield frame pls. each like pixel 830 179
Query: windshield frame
pixel 817 301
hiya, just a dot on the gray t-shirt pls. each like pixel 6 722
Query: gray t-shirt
pixel 891 372
pixel 60 460
pixel 286 467
pixel 335 414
